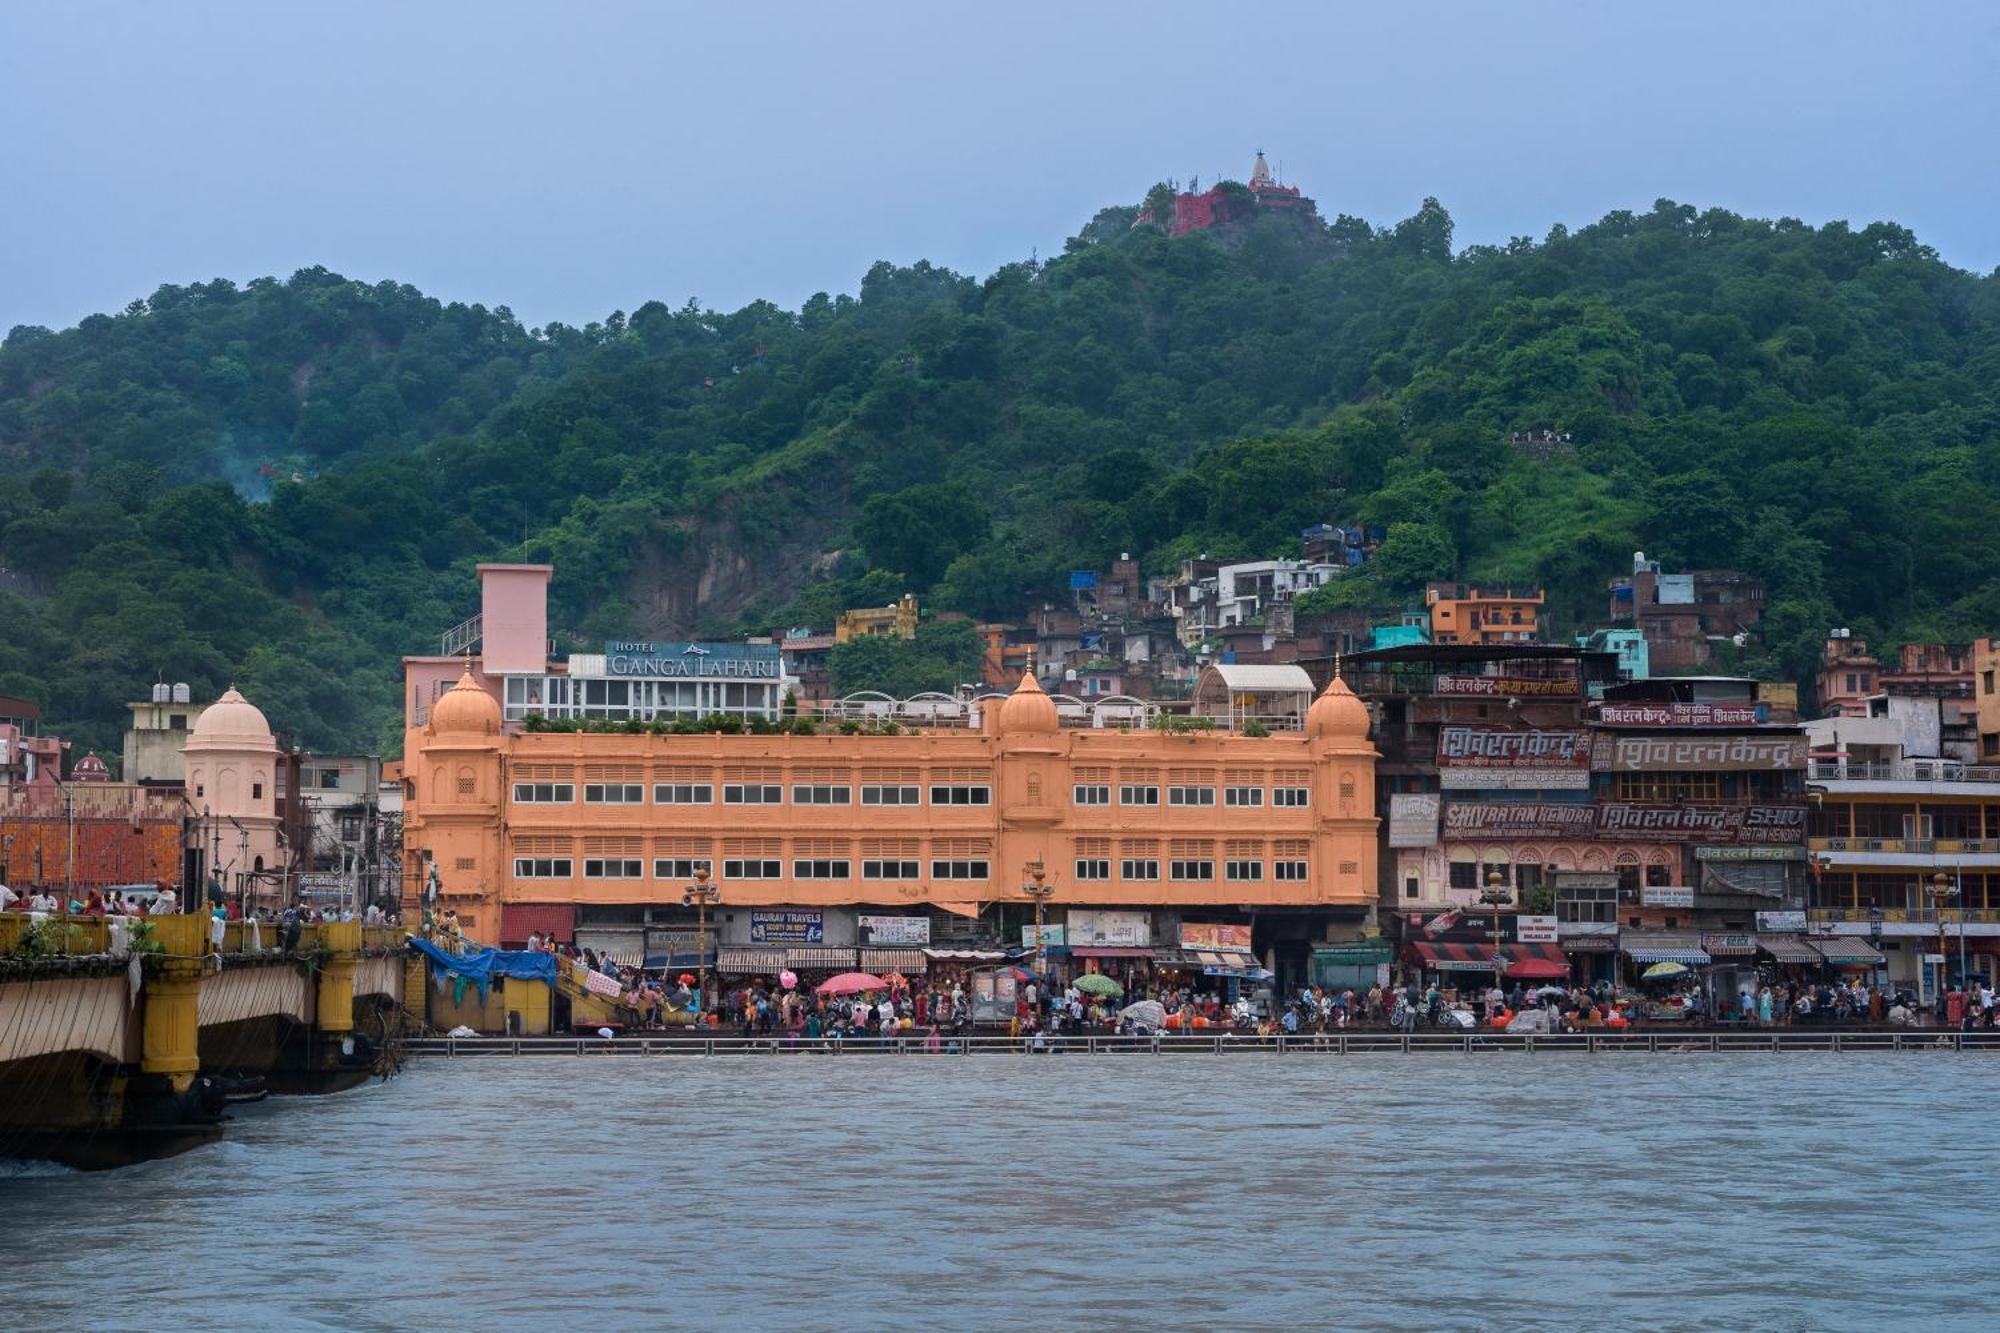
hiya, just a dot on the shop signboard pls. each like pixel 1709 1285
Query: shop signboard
pixel 895 929
pixel 1703 823
pixel 1752 853
pixel 1701 754
pixel 1585 881
pixel 1500 687
pixel 1535 929
pixel 1096 928
pixel 1213 935
pixel 1514 779
pixel 1413 819
pixel 1052 936
pixel 1680 715
pixel 787 927
pixel 1501 747
pixel 1781 921
pixel 713 661
pixel 1518 819
pixel 1666 895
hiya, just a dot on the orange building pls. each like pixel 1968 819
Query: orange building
pixel 1465 613
pixel 859 848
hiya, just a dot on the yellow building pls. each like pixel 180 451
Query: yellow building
pixel 898 620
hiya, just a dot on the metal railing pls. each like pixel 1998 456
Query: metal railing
pixel 1912 846
pixel 1900 770
pixel 1978 916
pixel 1225 1044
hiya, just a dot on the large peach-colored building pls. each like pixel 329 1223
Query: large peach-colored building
pixel 863 847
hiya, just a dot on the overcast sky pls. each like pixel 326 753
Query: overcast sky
pixel 571 159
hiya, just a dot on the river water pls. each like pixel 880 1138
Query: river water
pixel 1795 1191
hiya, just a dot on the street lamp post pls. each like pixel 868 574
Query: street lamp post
pixel 1494 896
pixel 701 895
pixel 1942 890
pixel 1039 889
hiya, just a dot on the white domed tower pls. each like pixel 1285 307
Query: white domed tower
pixel 232 763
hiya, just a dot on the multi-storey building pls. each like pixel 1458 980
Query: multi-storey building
pixel 1905 842
pixel 1681 615
pixel 853 846
pixel 159 728
pixel 1468 613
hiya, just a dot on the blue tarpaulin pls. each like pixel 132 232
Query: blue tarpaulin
pixel 482 965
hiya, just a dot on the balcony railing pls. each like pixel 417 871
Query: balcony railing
pixel 1909 846
pixel 1900 770
pixel 1906 915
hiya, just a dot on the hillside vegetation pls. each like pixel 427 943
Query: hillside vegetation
pixel 1818 405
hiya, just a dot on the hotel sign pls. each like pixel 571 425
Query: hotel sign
pixel 708 661
pixel 1679 715
pixel 1495 747
pixel 1490 687
pixel 1702 754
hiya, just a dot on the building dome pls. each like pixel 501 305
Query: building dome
pixel 465 707
pixel 1338 714
pixel 1028 709
pixel 231 720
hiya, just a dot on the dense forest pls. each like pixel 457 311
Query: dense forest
pixel 287 484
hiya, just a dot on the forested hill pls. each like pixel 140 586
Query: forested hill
pixel 1821 406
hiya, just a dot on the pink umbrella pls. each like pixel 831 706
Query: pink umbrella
pixel 848 983
pixel 788 979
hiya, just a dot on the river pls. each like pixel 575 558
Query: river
pixel 1436 1191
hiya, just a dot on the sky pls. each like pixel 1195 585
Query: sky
pixel 567 160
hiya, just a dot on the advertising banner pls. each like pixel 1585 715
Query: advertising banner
pixel 1413 819
pixel 794 927
pixel 895 929
pixel 1518 819
pixel 1701 754
pixel 1679 715
pixel 1665 895
pixel 1052 936
pixel 1514 779
pixel 1214 936
pixel 1774 825
pixel 1781 921
pixel 1108 930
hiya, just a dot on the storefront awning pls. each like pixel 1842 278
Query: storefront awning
pixel 884 961
pixel 1736 944
pixel 1534 962
pixel 1788 949
pixel 966 955
pixel 1453 957
pixel 1663 947
pixel 1846 951
pixel 1231 963
pixel 750 962
pixel 1109 951
pixel 819 959
pixel 1177 959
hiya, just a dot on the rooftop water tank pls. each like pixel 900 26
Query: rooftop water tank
pixel 181 694
pixel 162 692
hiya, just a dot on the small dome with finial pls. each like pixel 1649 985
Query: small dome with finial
pixel 1028 708
pixel 1338 713
pixel 465 707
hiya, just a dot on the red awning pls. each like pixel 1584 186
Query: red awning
pixel 1445 957
pixel 1110 952
pixel 555 921
pixel 1535 962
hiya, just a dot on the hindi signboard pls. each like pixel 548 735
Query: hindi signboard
pixel 1514 779
pixel 1413 819
pixel 1781 921
pixel 1679 715
pixel 1499 747
pixel 1702 754
pixel 1518 819
pixel 1665 895
pixel 1501 687
pixel 787 927
pixel 1773 825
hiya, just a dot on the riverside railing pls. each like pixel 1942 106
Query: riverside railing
pixel 1226 1044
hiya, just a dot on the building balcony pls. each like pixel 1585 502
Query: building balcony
pixel 1906 853
pixel 1916 775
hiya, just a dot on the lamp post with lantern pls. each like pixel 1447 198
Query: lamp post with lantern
pixel 1495 896
pixel 1941 890
pixel 701 895
pixel 1038 888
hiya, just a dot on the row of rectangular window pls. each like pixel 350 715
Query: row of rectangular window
pixel 1144 868
pixel 740 793
pixel 735 793
pixel 563 867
